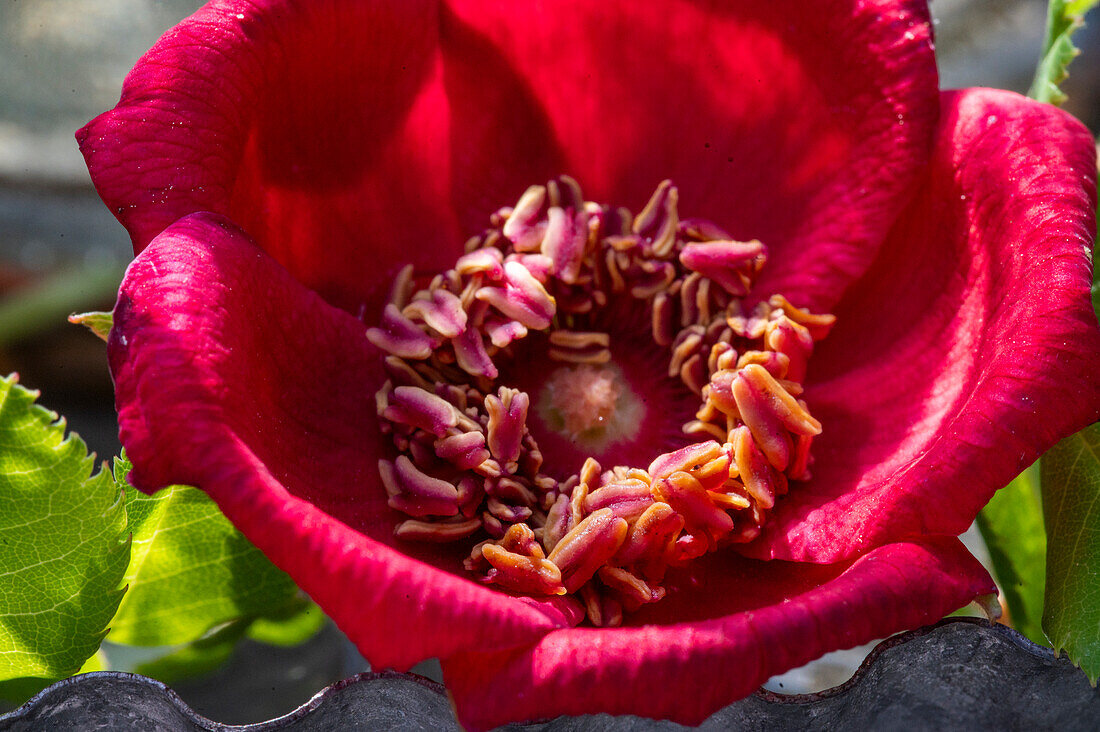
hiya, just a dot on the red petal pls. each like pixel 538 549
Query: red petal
pixel 327 127
pixel 968 349
pixel 321 127
pixel 803 128
pixel 743 623
pixel 232 377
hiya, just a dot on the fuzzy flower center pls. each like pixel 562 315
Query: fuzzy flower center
pixel 530 298
pixel 590 405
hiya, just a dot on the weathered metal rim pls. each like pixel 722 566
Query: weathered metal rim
pixel 333 690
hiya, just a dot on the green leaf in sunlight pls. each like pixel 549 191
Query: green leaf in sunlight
pixel 1071 508
pixel 190 569
pixel 1064 17
pixel 63 545
pixel 17 691
pixel 296 624
pixel 1012 527
pixel 96 663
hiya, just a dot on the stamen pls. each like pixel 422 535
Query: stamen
pixel 588 546
pixel 468 465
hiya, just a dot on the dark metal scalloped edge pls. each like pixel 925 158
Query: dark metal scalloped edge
pixel 769 699
pixel 1003 631
pixel 199 720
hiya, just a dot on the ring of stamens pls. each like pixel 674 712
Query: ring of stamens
pixel 467 462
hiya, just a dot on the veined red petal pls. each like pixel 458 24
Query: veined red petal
pixel 968 349
pixel 233 377
pixel 742 623
pixel 329 129
pixel 804 129
pixel 320 127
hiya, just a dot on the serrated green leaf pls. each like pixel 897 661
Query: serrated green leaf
pixel 63 544
pixel 1012 527
pixel 190 569
pixel 293 626
pixel 1064 17
pixel 1071 509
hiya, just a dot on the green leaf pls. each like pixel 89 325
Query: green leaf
pixel 295 625
pixel 63 548
pixel 99 323
pixel 1064 17
pixel 199 658
pixel 17 691
pixel 95 663
pixel 190 569
pixel 1071 507
pixel 1012 527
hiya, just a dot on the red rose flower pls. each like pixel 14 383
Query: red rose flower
pixel 276 163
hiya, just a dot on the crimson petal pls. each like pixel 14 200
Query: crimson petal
pixel 802 127
pixel 756 620
pixel 330 129
pixel 320 127
pixel 233 377
pixel 968 349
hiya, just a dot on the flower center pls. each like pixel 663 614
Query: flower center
pixel 538 306
pixel 591 405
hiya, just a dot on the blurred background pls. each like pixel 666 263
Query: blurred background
pixel 63 61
